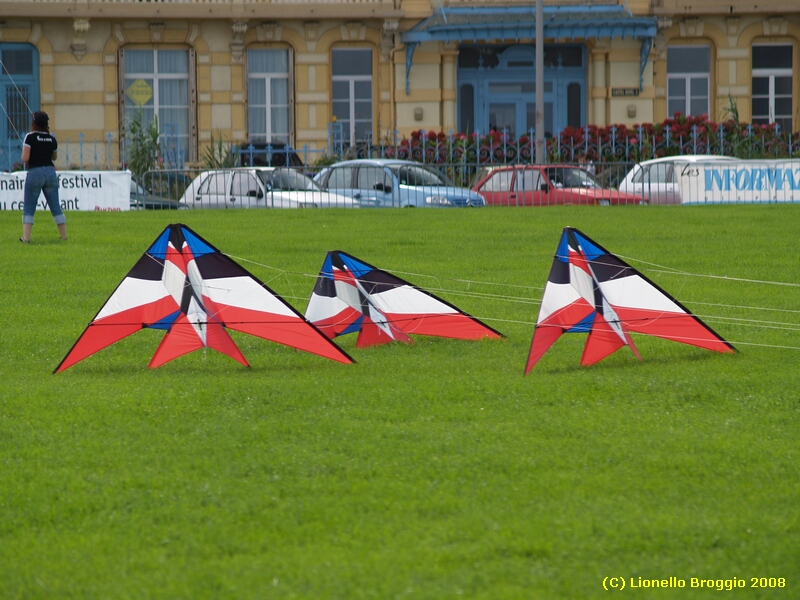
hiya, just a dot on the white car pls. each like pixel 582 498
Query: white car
pixel 656 180
pixel 260 187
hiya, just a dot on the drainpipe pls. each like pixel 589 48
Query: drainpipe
pixel 539 135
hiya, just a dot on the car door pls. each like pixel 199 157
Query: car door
pixel 496 189
pixel 340 181
pixel 213 191
pixel 245 191
pixel 530 188
pixel 374 185
pixel 657 183
pixel 557 191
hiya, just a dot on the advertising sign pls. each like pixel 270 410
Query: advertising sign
pixel 78 190
pixel 739 181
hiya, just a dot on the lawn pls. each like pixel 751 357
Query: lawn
pixel 428 471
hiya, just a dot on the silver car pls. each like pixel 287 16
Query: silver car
pixel 260 187
pixel 395 183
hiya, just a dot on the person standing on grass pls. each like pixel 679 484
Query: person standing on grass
pixel 39 150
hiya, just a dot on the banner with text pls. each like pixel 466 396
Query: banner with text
pixel 77 190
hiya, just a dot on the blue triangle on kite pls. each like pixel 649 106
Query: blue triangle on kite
pixel 357 268
pixel 355 326
pixel 196 245
pixel 584 325
pixel 562 252
pixel 589 249
pixel 327 267
pixel 159 247
pixel 166 322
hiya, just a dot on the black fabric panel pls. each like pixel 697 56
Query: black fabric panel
pixel 218 266
pixel 608 267
pixel 147 267
pixel 378 281
pixel 559 272
pixel 325 286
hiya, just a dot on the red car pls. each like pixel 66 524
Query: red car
pixel 544 185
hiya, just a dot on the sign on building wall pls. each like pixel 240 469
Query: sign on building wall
pixel 78 190
pixel 624 92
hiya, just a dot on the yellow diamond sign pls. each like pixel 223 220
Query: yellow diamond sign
pixel 140 92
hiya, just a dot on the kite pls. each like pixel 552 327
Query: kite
pixel 352 296
pixel 185 286
pixel 589 290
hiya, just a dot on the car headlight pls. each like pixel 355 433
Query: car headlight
pixel 438 201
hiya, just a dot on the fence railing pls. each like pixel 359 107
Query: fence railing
pixel 670 181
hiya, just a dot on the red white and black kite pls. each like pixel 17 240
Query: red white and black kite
pixel 352 296
pixel 589 290
pixel 188 288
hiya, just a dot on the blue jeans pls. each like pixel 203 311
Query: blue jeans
pixel 42 180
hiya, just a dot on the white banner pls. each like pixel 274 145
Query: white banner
pixel 77 190
pixel 739 181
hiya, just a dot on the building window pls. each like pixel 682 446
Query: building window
pixel 772 85
pixel 19 96
pixel 351 70
pixel 688 80
pixel 157 83
pixel 268 85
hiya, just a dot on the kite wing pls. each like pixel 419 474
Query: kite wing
pixel 185 286
pixel 589 290
pixel 352 296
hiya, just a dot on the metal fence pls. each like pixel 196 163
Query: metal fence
pixel 673 180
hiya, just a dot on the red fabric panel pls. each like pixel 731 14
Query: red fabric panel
pixel 544 336
pixel 94 339
pixel 372 335
pixel 295 332
pixel 602 342
pixel 332 326
pixel 456 325
pixel 678 327
pixel 218 339
pixel 111 329
pixel 570 315
pixel 180 340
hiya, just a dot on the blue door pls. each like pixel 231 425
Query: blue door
pixel 19 98
pixel 497 89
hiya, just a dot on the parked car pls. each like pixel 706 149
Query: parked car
pixel 399 183
pixel 656 180
pixel 543 185
pixel 142 199
pixel 260 187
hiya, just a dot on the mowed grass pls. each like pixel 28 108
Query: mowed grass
pixel 433 470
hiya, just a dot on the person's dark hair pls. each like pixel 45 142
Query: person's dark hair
pixel 41 121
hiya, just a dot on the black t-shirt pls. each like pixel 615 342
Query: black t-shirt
pixel 42 144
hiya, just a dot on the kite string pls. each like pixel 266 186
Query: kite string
pixel 776 325
pixel 533 301
pixel 672 271
pixel 538 288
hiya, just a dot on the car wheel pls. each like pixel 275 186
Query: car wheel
pixel 604 202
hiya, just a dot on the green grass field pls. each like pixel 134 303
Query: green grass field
pixel 426 471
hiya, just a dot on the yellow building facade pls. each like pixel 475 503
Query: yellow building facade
pixel 270 71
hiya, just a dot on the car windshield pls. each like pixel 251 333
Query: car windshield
pixel 288 180
pixel 571 178
pixel 415 176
